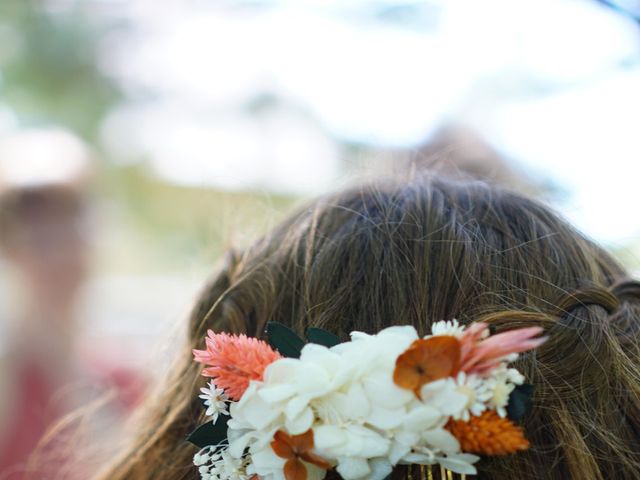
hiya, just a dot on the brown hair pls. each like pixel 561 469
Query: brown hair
pixel 417 251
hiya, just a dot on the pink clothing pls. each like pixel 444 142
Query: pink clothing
pixel 35 411
pixel 33 414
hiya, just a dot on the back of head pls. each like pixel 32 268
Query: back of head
pixel 414 252
pixel 44 182
pixel 44 174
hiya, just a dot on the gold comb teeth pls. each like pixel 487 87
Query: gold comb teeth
pixel 427 473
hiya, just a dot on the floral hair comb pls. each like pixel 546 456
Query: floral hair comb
pixel 294 411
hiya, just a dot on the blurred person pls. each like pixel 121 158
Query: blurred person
pixel 459 150
pixel 45 240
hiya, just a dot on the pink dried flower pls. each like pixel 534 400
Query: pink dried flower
pixel 234 360
pixel 480 354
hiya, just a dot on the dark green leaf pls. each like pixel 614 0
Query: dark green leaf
pixel 283 339
pixel 519 401
pixel 210 434
pixel 322 337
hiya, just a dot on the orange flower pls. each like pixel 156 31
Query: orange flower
pixel 296 449
pixel 488 434
pixel 427 360
pixel 234 360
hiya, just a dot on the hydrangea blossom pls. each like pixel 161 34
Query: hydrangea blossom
pixel 368 423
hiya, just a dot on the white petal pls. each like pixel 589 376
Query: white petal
pixel 380 469
pixel 248 393
pixel 238 445
pixel 364 442
pixel 355 402
pixel 379 387
pixel 421 418
pixel 384 419
pixel 459 463
pixel 312 381
pixel 258 412
pixel 399 450
pixel 442 395
pixel 351 468
pixel 406 331
pixel 328 436
pixel 281 370
pixel 295 406
pixel 358 336
pixel 321 355
pixel 442 439
pixel 264 461
pixel 426 458
pixel 276 393
pixel 301 423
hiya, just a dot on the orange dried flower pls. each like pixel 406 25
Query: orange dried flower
pixel 488 434
pixel 427 360
pixel 295 449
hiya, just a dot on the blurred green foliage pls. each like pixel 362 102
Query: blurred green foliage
pixel 153 225
pixel 49 70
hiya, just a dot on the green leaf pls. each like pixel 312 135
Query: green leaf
pixel 322 337
pixel 285 340
pixel 519 401
pixel 209 434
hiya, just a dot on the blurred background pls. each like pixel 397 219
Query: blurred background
pixel 139 139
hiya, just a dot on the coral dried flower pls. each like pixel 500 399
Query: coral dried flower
pixel 295 449
pixel 427 360
pixel 481 354
pixel 488 434
pixel 234 360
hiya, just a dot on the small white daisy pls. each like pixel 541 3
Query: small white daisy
pixel 514 376
pixel 447 327
pixel 215 400
pixel 477 391
pixel 501 383
pixel 500 396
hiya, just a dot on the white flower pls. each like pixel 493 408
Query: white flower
pixel 204 456
pixel 424 437
pixel 444 396
pixel 231 468
pixel 514 376
pixel 501 383
pixel 461 463
pixel 447 328
pixel 220 465
pixel 215 400
pixel 477 391
pixel 500 396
